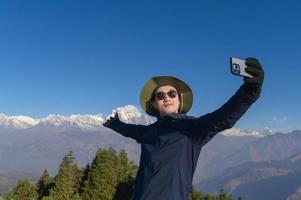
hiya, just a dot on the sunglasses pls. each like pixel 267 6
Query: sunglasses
pixel 170 93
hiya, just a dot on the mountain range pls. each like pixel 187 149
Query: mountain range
pixel 275 179
pixel 31 145
pixel 86 123
pixel 89 123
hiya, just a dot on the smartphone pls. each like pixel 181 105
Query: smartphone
pixel 238 66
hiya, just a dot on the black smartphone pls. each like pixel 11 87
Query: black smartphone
pixel 238 66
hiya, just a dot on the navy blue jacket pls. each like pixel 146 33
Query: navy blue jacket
pixel 170 147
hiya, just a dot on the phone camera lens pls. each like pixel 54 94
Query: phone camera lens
pixel 236 68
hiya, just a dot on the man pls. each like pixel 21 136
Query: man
pixel 170 147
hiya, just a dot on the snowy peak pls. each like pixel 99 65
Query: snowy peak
pixel 236 132
pixel 87 119
pixel 83 122
pixel 17 122
pixel 87 123
pixel 128 114
pixel 55 120
pixel 73 119
pixel 131 114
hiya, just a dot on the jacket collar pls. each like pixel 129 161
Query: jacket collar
pixel 172 116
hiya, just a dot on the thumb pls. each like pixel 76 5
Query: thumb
pixel 116 116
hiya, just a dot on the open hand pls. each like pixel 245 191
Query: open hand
pixel 108 123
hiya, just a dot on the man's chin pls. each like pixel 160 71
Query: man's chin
pixel 169 112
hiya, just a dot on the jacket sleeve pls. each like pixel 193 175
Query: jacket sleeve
pixel 204 128
pixel 136 132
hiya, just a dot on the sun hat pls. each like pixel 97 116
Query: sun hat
pixel 152 84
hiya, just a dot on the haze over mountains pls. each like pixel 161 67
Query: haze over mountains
pixel 31 145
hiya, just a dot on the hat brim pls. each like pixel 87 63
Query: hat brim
pixel 183 89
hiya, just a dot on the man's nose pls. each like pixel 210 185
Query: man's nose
pixel 166 97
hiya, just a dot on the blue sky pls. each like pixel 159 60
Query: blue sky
pixel 89 57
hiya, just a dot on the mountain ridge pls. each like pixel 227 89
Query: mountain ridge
pixel 89 122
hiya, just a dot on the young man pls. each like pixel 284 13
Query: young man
pixel 170 147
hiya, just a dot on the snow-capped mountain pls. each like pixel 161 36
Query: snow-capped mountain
pixel 17 122
pixel 65 123
pixel 253 133
pixel 86 123
pixel 130 114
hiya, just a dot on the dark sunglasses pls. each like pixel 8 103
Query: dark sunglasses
pixel 170 93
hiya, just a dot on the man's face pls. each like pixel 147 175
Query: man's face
pixel 166 100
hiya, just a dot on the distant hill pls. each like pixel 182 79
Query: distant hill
pixel 233 151
pixel 278 179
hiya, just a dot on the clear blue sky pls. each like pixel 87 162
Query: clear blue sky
pixel 88 57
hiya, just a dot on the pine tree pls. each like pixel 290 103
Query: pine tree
pixel 10 195
pixel 126 177
pixel 193 194
pixel 126 168
pixel 84 179
pixel 25 190
pixel 102 177
pixel 222 195
pixel 43 185
pixel 67 181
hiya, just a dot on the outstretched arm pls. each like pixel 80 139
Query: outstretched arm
pixel 136 132
pixel 204 128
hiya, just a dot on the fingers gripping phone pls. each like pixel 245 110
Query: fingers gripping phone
pixel 238 66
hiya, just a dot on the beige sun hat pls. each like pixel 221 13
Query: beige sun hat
pixel 184 91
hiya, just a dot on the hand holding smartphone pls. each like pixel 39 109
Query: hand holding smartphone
pixel 238 66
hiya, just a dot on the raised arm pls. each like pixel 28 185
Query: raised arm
pixel 204 128
pixel 136 132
